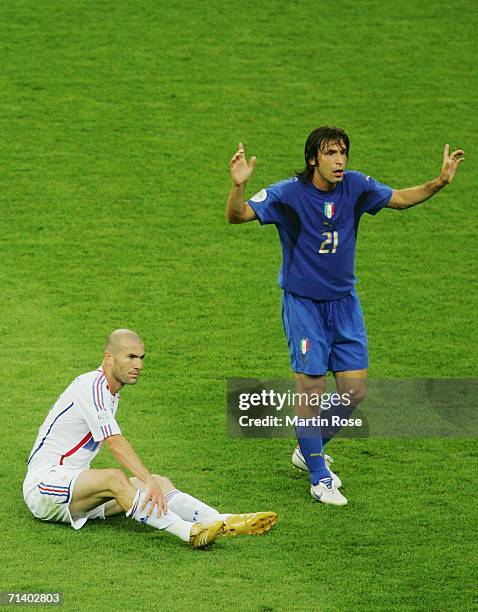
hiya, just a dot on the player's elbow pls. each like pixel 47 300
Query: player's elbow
pixel 237 214
pixel 397 201
pixel 233 218
pixel 112 441
pixel 229 217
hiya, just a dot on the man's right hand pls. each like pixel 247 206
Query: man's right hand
pixel 154 497
pixel 241 171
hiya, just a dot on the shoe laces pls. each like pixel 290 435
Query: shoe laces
pixel 327 482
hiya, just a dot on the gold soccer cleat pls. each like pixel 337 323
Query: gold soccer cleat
pixel 203 535
pixel 249 524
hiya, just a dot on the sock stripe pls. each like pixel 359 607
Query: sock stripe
pixel 169 496
pixel 134 507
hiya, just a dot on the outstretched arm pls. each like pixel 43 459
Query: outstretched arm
pixel 123 452
pixel 237 210
pixel 405 198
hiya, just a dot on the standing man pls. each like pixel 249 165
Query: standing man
pixel 61 487
pixel 317 213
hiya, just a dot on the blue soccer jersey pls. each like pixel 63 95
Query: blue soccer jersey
pixel 318 230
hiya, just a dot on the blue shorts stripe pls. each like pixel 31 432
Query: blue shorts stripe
pixel 55 491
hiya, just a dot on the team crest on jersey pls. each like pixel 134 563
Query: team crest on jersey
pixel 304 346
pixel 260 196
pixel 329 209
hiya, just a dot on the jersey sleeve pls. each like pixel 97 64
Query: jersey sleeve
pixel 267 204
pixel 91 402
pixel 375 196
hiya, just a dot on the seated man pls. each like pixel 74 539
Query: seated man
pixel 61 487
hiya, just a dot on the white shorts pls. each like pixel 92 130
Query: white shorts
pixel 48 495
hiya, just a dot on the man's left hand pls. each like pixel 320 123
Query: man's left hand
pixel 450 164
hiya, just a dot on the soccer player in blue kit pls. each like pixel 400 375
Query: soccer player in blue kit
pixel 317 213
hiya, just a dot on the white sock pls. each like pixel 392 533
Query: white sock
pixel 191 509
pixel 180 528
pixel 170 521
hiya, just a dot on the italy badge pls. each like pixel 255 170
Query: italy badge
pixel 329 209
pixel 304 346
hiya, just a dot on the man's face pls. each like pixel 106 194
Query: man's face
pixel 127 362
pixel 331 162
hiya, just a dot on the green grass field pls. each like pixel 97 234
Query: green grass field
pixel 118 121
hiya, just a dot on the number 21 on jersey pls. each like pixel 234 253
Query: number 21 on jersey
pixel 331 242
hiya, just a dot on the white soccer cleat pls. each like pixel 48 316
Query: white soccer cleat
pixel 325 491
pixel 299 462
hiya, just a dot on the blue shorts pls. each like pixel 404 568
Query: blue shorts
pixel 325 335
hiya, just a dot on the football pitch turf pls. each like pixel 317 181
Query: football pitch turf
pixel 118 122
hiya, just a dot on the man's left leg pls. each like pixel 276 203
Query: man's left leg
pixel 194 510
pixel 349 356
pixel 351 386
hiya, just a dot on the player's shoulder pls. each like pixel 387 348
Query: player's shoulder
pixel 290 181
pixel 275 191
pixel 291 185
pixel 354 176
pixel 284 185
pixel 364 182
pixel 88 379
pixel 288 187
pixel 357 182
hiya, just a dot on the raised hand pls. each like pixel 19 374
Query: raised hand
pixel 241 170
pixel 450 164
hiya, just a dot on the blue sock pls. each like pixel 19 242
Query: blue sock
pixel 310 442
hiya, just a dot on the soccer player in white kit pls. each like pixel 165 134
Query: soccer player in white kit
pixel 60 486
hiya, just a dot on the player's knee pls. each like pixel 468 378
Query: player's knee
pixel 165 484
pixel 309 390
pixel 310 385
pixel 117 480
pixel 357 395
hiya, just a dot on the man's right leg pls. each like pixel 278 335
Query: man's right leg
pixel 95 487
pixel 324 484
pixel 309 437
pixel 307 328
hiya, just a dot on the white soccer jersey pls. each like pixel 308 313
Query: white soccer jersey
pixel 81 418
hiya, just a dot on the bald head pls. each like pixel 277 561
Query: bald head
pixel 121 339
pixel 123 358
